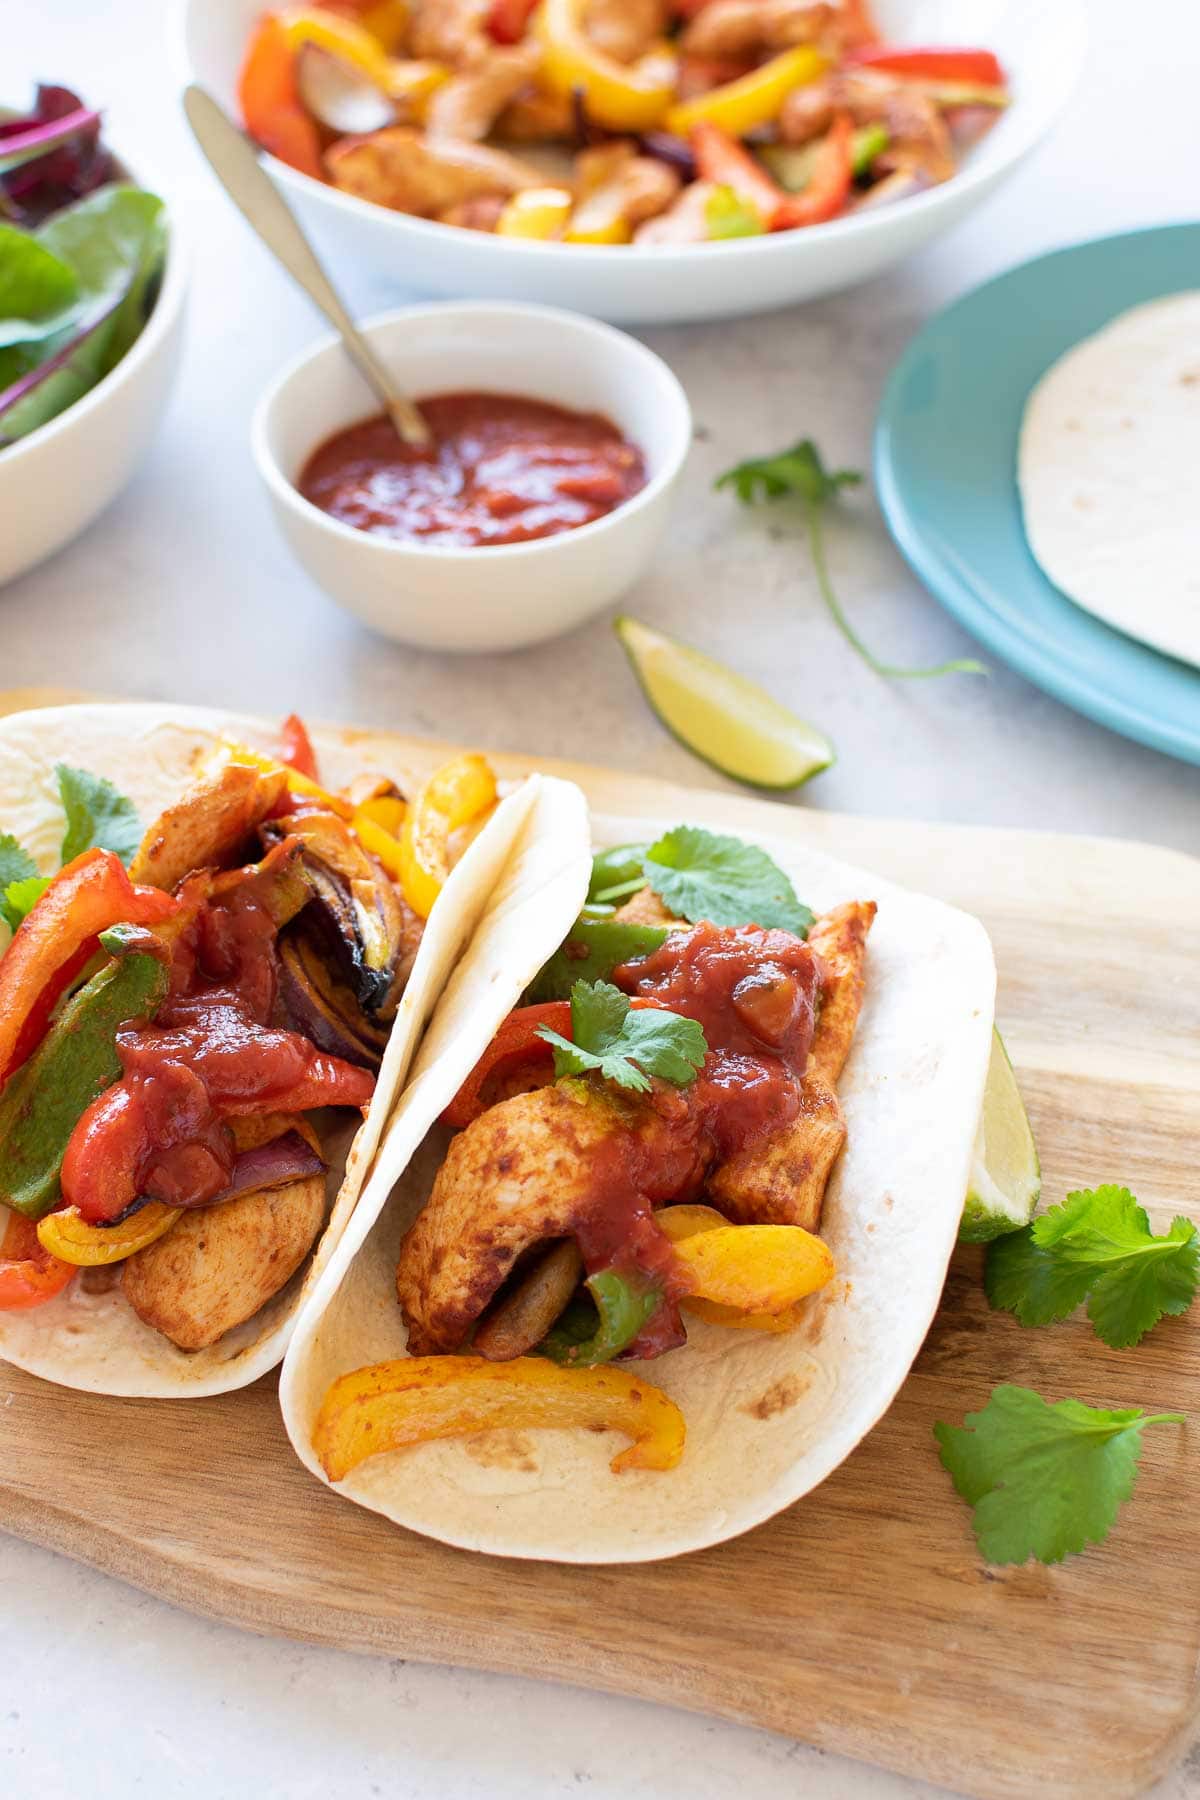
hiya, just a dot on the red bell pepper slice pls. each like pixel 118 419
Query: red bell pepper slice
pixel 29 1275
pixel 517 1046
pixel 90 894
pixel 828 190
pixel 721 158
pixel 514 1046
pixel 980 67
pixel 328 1081
pixel 271 107
pixel 508 20
pixel 298 752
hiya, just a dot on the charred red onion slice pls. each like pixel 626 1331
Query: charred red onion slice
pixel 287 1158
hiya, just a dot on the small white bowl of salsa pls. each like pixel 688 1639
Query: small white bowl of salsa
pixel 557 443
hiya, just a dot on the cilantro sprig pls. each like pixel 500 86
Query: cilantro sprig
pixel 626 1046
pixel 1045 1478
pixel 1097 1247
pixel 96 817
pixel 799 472
pixel 698 874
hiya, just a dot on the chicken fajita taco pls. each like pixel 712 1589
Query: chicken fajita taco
pixel 679 1207
pixel 220 947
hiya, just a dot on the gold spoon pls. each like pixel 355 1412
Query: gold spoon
pixel 235 163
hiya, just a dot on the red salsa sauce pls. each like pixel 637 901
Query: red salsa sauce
pixel 215 1051
pixel 755 993
pixel 501 470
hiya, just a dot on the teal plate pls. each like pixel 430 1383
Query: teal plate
pixel 945 472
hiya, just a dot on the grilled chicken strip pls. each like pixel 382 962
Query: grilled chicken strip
pixel 624 29
pixel 398 167
pixel 523 1173
pixel 218 1264
pixel 840 940
pixel 209 827
pixel 467 106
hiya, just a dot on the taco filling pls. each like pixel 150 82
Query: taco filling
pixel 175 1033
pixel 646 1142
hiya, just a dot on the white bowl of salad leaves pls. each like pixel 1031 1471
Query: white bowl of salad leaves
pixel 91 311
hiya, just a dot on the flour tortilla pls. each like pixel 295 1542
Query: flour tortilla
pixel 768 1416
pixel 1109 472
pixel 96 1341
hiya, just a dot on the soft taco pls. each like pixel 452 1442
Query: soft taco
pixel 220 947
pixel 674 1186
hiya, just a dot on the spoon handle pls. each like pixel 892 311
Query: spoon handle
pixel 235 163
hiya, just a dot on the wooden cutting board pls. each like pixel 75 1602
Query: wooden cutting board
pixel 862 1620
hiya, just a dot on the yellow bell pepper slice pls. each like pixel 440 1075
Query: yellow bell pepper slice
pixel 458 792
pixel 387 810
pixel 746 1276
pixel 412 81
pixel 297 783
pixel 387 22
pixel 535 213
pixel 383 845
pixel 341 37
pixel 754 99
pixel 393 1405
pixel 623 96
pixel 67 1235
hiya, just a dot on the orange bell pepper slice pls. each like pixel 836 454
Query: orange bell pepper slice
pixel 29 1274
pixel 271 107
pixel 829 186
pixel 415 1400
pixel 460 791
pixel 57 936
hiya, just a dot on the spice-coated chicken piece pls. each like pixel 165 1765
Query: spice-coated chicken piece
pixel 451 31
pixel 781 1179
pixel 523 1173
pixel 218 1265
pixel 751 28
pixel 468 105
pixel 619 188
pixel 645 908
pixel 398 167
pixel 918 135
pixel 625 29
pixel 684 222
pixel 210 826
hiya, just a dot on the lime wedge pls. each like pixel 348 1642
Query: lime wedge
pixel 1006 1177
pixel 719 715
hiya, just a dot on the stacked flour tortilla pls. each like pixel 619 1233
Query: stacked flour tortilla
pixel 96 1341
pixel 768 1415
pixel 1109 472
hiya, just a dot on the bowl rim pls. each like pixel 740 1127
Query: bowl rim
pixel 969 184
pixel 555 317
pixel 163 317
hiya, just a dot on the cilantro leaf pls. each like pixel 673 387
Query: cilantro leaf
pixel 795 471
pixel 18 874
pixel 15 864
pixel 20 898
pixel 699 875
pixel 626 1046
pixel 98 817
pixel 593 948
pixel 1045 1479
pixel 800 472
pixel 1098 1247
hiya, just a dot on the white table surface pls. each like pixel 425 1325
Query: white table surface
pixel 182 590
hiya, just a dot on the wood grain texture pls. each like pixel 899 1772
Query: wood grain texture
pixel 862 1620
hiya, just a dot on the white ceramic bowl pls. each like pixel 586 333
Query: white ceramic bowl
pixel 1041 43
pixel 54 482
pixel 494 597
